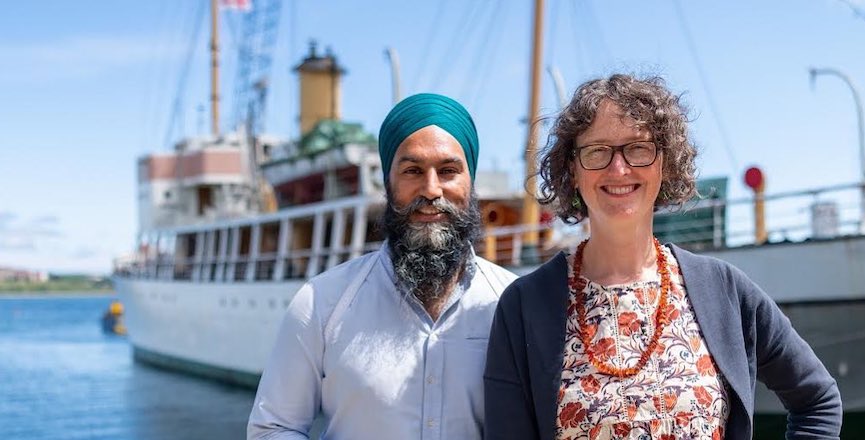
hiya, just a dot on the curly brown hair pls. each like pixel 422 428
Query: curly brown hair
pixel 651 105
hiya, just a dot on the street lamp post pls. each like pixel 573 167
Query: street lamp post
pixel 814 73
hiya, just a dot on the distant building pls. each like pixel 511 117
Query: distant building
pixel 10 274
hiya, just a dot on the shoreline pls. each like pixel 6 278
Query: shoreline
pixel 71 294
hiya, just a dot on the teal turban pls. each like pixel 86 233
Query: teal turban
pixel 423 110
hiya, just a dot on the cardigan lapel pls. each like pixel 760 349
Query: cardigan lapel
pixel 545 323
pixel 719 320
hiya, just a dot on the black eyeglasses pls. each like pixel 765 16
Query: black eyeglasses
pixel 636 154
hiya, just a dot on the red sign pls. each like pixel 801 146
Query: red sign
pixel 237 5
pixel 754 178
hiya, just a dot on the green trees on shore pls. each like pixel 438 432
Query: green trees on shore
pixel 59 283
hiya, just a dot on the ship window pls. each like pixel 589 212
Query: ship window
pixel 268 245
pixel 245 235
pixel 205 199
pixel 184 251
pixel 243 242
pixel 301 242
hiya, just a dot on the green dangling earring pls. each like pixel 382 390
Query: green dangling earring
pixel 577 202
pixel 664 195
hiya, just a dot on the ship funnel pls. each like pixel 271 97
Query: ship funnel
pixel 319 88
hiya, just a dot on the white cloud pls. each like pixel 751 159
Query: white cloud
pixel 16 243
pixel 19 235
pixel 5 218
pixel 855 6
pixel 86 252
pixel 82 57
pixel 43 243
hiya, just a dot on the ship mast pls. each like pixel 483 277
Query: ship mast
pixel 214 68
pixel 393 59
pixel 531 211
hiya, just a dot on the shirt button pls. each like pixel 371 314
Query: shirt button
pixel 430 423
pixel 430 380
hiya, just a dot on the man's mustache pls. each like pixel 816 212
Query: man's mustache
pixel 440 203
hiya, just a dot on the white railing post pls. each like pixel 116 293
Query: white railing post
pixel 254 247
pixel 337 232
pixel 358 230
pixel 198 254
pixel 282 247
pixel 153 244
pixel 235 249
pixel 317 238
pixel 223 254
pixel 517 249
pixel 209 251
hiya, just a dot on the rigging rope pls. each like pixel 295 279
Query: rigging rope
pixel 725 140
pixel 149 105
pixel 184 73
pixel 453 50
pixel 431 33
pixel 499 16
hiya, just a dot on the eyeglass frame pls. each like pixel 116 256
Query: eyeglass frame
pixel 616 149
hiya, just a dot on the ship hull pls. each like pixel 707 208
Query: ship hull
pixel 224 331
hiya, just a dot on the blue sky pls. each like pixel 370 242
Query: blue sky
pixel 86 87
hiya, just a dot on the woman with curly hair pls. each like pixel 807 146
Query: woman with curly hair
pixel 627 338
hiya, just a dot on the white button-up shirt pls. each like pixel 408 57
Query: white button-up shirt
pixel 371 360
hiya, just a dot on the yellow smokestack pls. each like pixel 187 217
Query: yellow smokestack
pixel 319 89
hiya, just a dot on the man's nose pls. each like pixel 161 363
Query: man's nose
pixel 432 188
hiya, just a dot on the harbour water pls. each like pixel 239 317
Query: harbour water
pixel 62 378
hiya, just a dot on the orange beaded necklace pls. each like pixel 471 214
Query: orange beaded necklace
pixel 577 285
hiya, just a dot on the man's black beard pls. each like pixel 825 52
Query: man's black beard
pixel 427 257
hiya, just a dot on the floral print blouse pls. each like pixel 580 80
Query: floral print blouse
pixel 679 394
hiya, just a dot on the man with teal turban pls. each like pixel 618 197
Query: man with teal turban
pixel 391 345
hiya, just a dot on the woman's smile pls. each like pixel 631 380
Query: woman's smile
pixel 619 190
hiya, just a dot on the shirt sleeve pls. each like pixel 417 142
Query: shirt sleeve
pixel 508 411
pixel 789 367
pixel 289 393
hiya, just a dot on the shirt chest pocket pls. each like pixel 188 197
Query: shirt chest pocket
pixel 467 354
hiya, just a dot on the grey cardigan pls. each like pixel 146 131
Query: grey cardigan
pixel 745 332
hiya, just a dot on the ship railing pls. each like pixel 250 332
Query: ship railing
pixel 290 244
pixel 295 265
pixel 265 266
pixel 813 214
pixel 182 269
pixel 806 215
pixel 506 245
